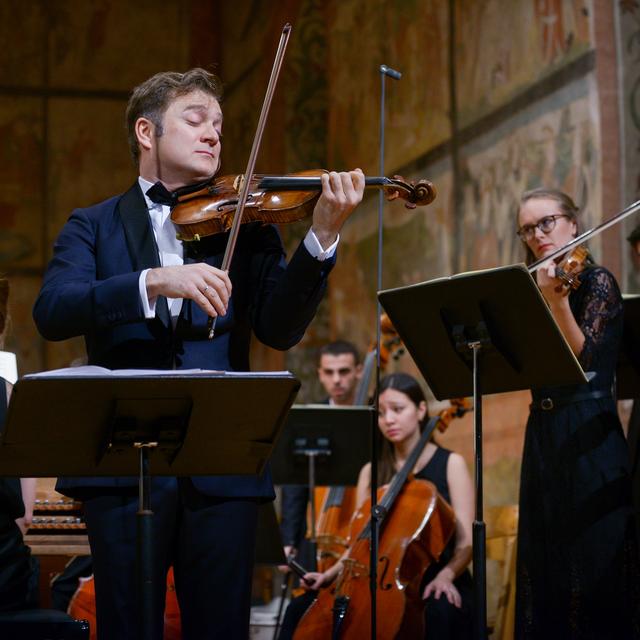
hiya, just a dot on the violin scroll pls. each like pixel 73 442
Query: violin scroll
pixel 417 194
pixel 390 344
pixel 459 406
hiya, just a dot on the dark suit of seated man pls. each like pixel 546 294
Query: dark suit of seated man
pixel 141 299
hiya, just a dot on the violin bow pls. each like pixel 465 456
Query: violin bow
pixel 583 237
pixel 248 174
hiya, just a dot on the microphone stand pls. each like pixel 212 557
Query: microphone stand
pixel 377 512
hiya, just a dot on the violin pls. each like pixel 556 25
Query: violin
pixel 211 209
pixel 569 269
pixel 583 237
pixel 415 526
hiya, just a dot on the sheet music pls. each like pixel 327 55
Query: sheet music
pixel 92 371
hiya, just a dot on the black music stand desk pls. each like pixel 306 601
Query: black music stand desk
pixel 339 436
pixel 475 333
pixel 322 445
pixel 95 422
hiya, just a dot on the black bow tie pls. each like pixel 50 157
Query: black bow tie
pixel 159 194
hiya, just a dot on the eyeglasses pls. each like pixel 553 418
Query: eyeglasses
pixel 546 225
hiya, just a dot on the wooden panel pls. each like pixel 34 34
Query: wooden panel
pixel 411 37
pixel 23 338
pixel 23 42
pixel 89 156
pixel 21 182
pixel 115 44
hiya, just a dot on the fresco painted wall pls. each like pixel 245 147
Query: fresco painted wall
pixel 503 51
pixel 628 23
pixel 553 142
pixel 505 47
pixel 410 36
pixel 70 67
pixel 64 84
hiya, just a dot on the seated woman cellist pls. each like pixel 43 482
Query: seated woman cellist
pixel 447 584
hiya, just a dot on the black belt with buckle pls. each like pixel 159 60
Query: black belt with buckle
pixel 547 404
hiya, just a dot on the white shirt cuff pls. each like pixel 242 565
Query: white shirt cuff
pixel 313 246
pixel 148 306
pixel 8 367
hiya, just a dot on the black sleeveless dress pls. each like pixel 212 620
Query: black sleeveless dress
pixel 577 574
pixel 442 619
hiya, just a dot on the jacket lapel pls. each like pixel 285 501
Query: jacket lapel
pixel 141 242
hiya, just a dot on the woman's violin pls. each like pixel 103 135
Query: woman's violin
pixel 570 267
pixel 274 199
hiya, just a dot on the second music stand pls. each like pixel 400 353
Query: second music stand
pixel 475 333
pixel 322 445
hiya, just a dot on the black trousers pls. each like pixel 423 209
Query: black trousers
pixel 209 542
pixel 19 570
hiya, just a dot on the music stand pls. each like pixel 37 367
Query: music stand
pixel 322 445
pixel 138 423
pixel 628 369
pixel 479 333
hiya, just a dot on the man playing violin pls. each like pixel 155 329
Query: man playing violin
pixel 142 299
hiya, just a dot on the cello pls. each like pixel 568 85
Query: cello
pixel 83 607
pixel 416 524
pixel 336 505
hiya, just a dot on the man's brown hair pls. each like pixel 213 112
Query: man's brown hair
pixel 152 98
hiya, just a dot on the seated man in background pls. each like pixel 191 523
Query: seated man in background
pixel 339 371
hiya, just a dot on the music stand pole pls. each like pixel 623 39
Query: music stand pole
pixel 479 529
pixel 376 514
pixel 311 456
pixel 483 342
pixel 311 453
pixel 144 557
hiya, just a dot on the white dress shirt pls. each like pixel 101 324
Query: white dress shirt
pixel 171 251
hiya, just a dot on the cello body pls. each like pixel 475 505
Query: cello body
pixel 83 607
pixel 336 507
pixel 415 532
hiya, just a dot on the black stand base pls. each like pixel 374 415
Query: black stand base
pixel 479 580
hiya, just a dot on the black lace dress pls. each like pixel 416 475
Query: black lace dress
pixel 577 572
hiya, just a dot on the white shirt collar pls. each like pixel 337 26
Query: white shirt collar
pixel 145 185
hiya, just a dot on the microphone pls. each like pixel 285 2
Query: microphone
pixel 388 71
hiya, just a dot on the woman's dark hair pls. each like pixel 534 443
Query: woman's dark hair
pixel 566 205
pixel 338 348
pixel 404 383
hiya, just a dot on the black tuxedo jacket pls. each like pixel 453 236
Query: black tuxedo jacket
pixel 90 289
